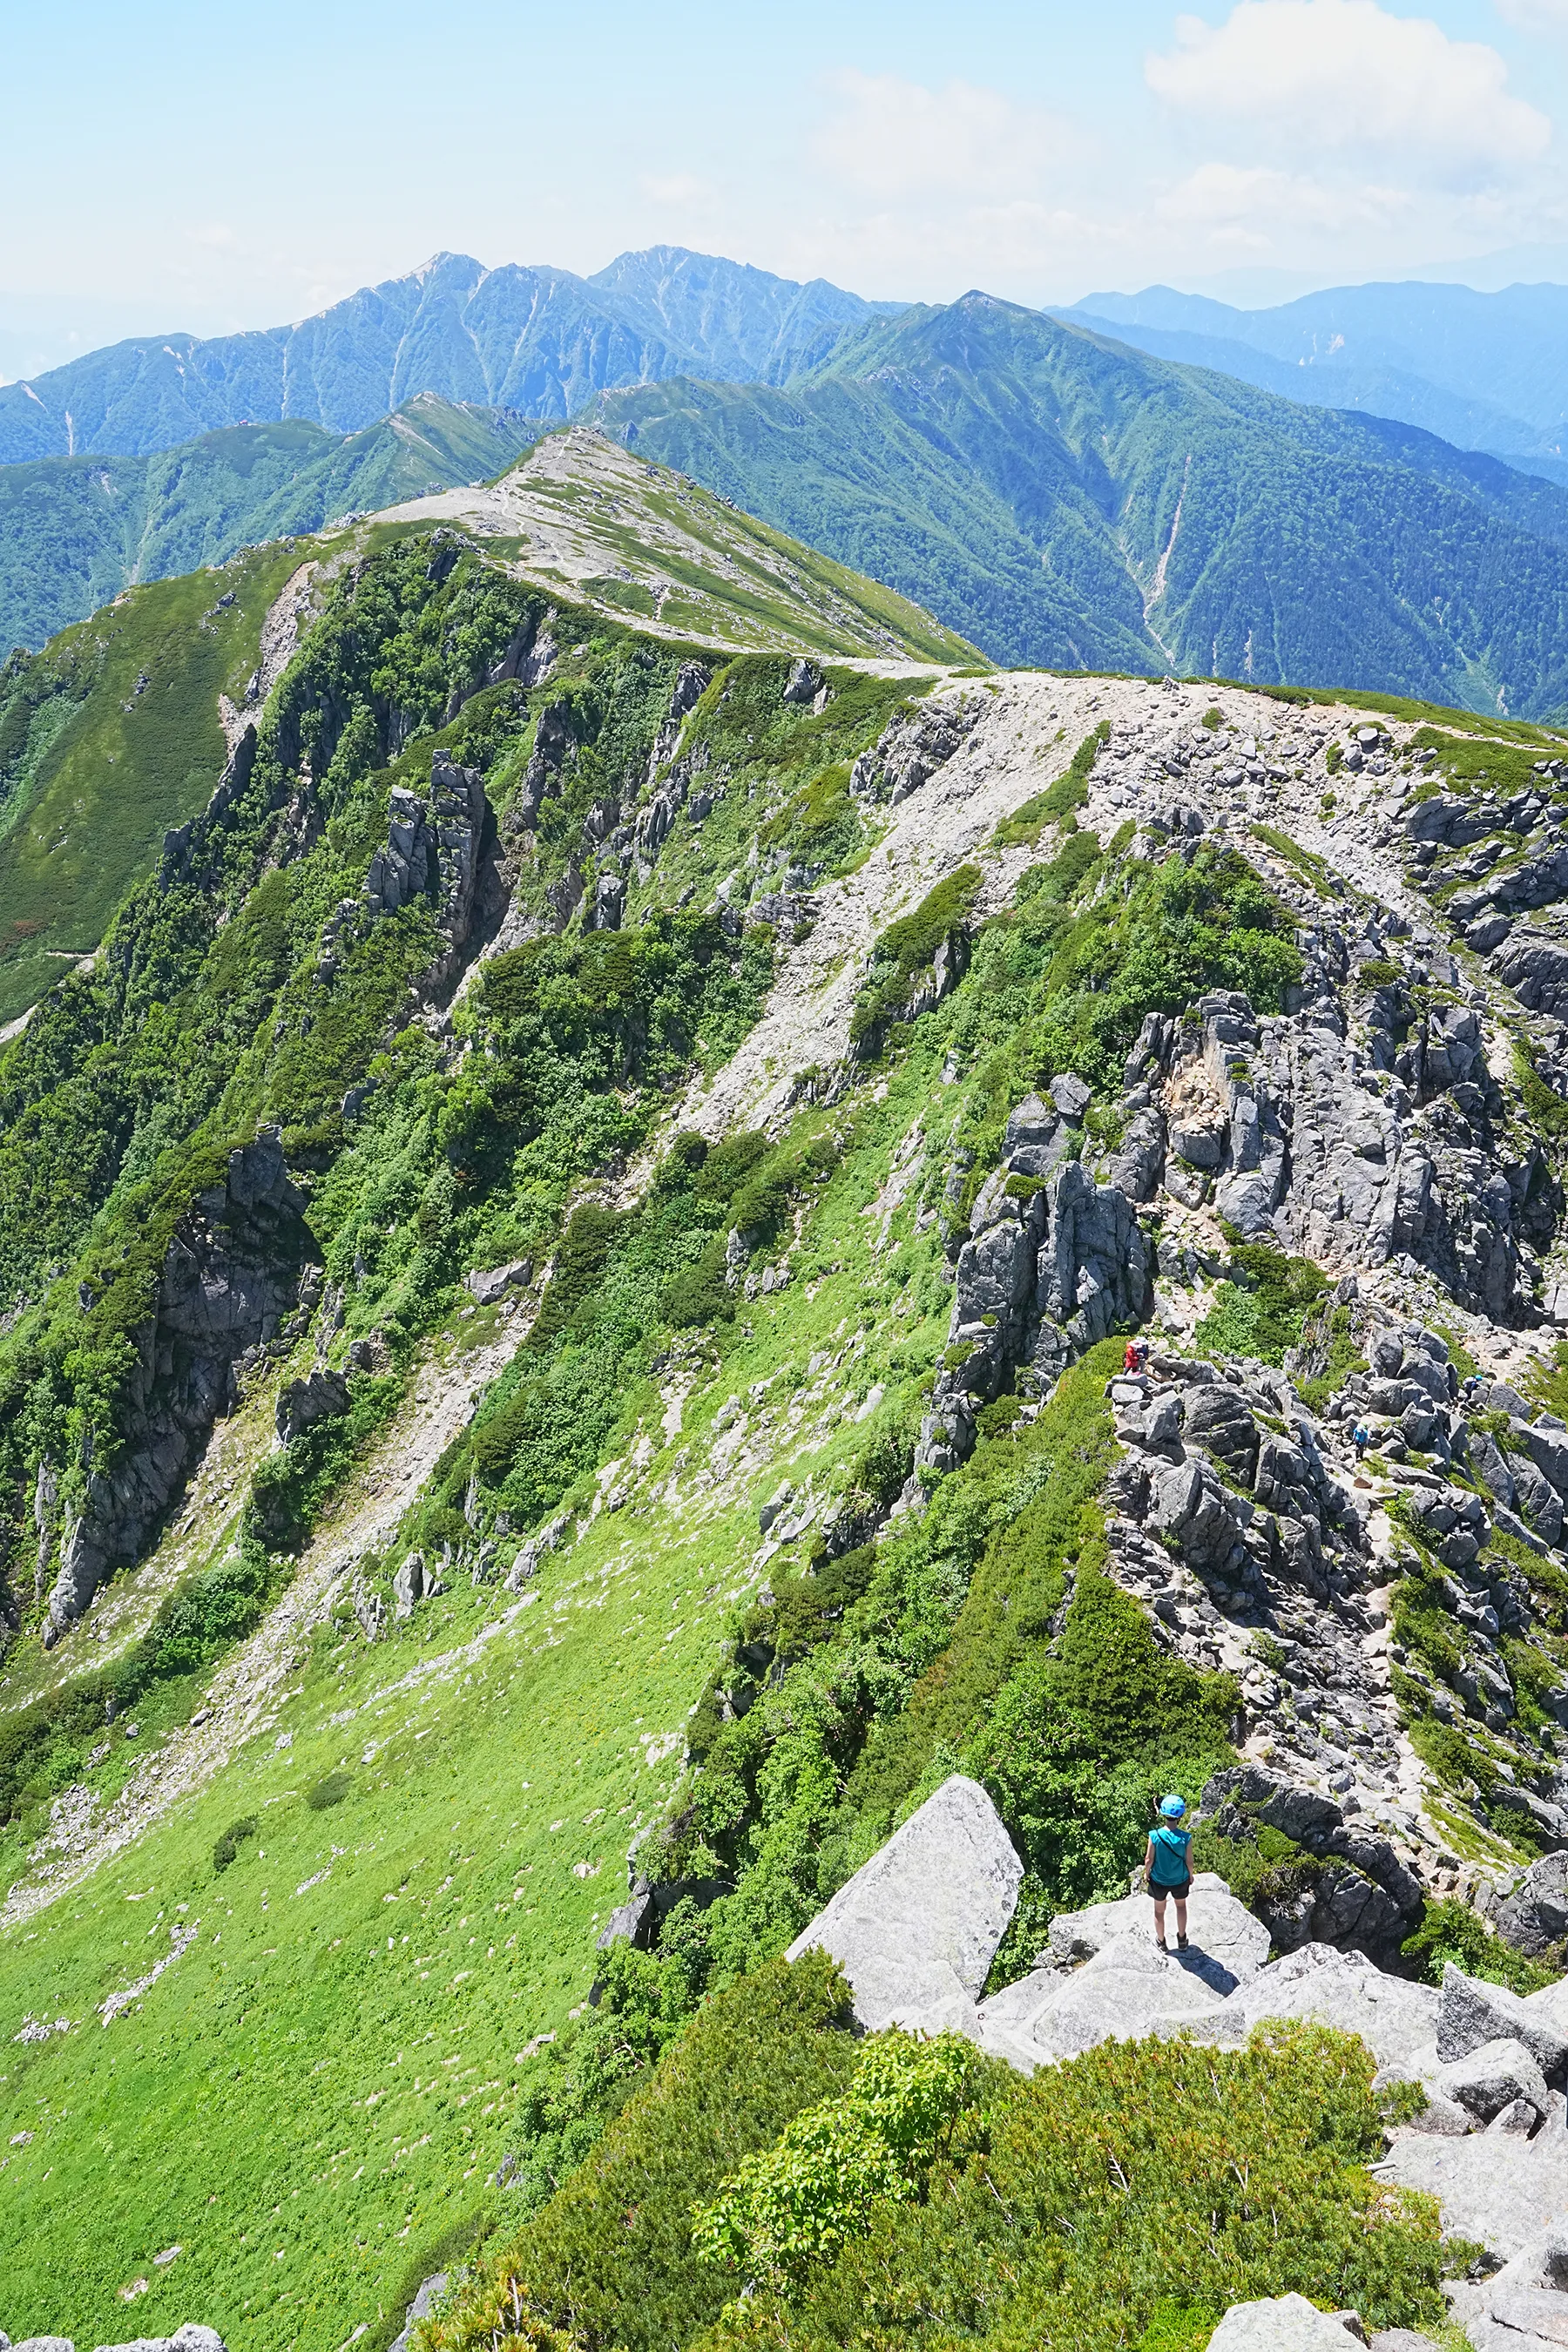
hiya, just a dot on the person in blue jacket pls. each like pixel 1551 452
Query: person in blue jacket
pixel 1168 1868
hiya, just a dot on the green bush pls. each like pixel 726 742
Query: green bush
pixel 1451 1930
pixel 225 1848
pixel 610 2258
pixel 1101 2184
pixel 794 2204
pixel 331 1790
pixel 1265 1313
pixel 906 947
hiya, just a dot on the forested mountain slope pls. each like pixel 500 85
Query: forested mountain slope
pixel 1483 370
pixel 541 341
pixel 74 531
pixel 1061 499
pixel 560 1271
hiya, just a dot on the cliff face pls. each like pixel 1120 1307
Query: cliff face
pixel 238 1264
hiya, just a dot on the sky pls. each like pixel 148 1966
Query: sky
pixel 208 167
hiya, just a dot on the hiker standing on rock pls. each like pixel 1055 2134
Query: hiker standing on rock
pixel 1168 1868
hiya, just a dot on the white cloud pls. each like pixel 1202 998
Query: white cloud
pixel 896 138
pixel 679 190
pixel 1535 15
pixel 1346 76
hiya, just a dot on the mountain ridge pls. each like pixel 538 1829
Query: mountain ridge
pixel 541 340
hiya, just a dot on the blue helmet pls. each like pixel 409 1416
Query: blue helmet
pixel 1173 1807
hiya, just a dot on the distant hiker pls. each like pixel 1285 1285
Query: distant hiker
pixel 1130 1361
pixel 1168 1868
pixel 1363 1438
pixel 1470 1384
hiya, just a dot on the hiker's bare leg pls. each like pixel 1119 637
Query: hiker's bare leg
pixel 1160 1918
pixel 1181 1919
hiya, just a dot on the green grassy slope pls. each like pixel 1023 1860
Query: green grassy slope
pixel 1025 478
pixel 75 531
pixel 106 740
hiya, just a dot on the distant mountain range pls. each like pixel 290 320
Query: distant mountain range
pixel 1484 371
pixel 540 341
pixel 1299 494
pixel 1062 500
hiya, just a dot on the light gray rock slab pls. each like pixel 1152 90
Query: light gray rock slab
pixel 1400 2339
pixel 1346 1991
pixel 1523 2306
pixel 190 2337
pixel 1535 1916
pixel 916 1929
pixel 420 2308
pixel 1487 2080
pixel 1227 1940
pixel 1286 2323
pixel 1129 1989
pixel 1503 2193
pixel 1470 2013
pixel 44 2343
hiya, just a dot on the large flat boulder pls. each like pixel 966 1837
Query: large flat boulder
pixel 1286 2323
pixel 1504 2190
pixel 1227 1943
pixel 1523 2306
pixel 1346 1991
pixel 916 1929
pixel 1128 1990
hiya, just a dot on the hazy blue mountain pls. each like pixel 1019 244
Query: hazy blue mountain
pixel 1060 499
pixel 1484 371
pixel 75 531
pixel 540 341
pixel 738 323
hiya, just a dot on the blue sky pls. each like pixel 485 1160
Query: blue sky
pixel 211 166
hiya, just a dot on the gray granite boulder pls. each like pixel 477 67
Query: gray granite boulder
pixel 1129 1991
pixel 1492 2077
pixel 420 2308
pixel 1523 2306
pixel 1344 1991
pixel 1470 2013
pixel 1535 1916
pixel 1227 1941
pixel 1493 2187
pixel 1286 2323
pixel 916 1929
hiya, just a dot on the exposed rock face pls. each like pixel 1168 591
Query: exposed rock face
pixel 911 749
pixel 1535 1916
pixel 322 1396
pixel 232 1272
pixel 1039 1279
pixel 916 1928
pixel 434 850
pixel 1286 2323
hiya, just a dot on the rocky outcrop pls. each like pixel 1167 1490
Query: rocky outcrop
pixel 232 1272
pixel 1050 1267
pixel 916 1928
pixel 1534 1917
pixel 1286 2323
pixel 912 749
pixel 434 852
pixel 321 1396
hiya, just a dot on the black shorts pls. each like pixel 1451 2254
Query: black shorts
pixel 1182 1889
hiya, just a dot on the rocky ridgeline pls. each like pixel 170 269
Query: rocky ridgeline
pixel 240 1270
pixel 917 1929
